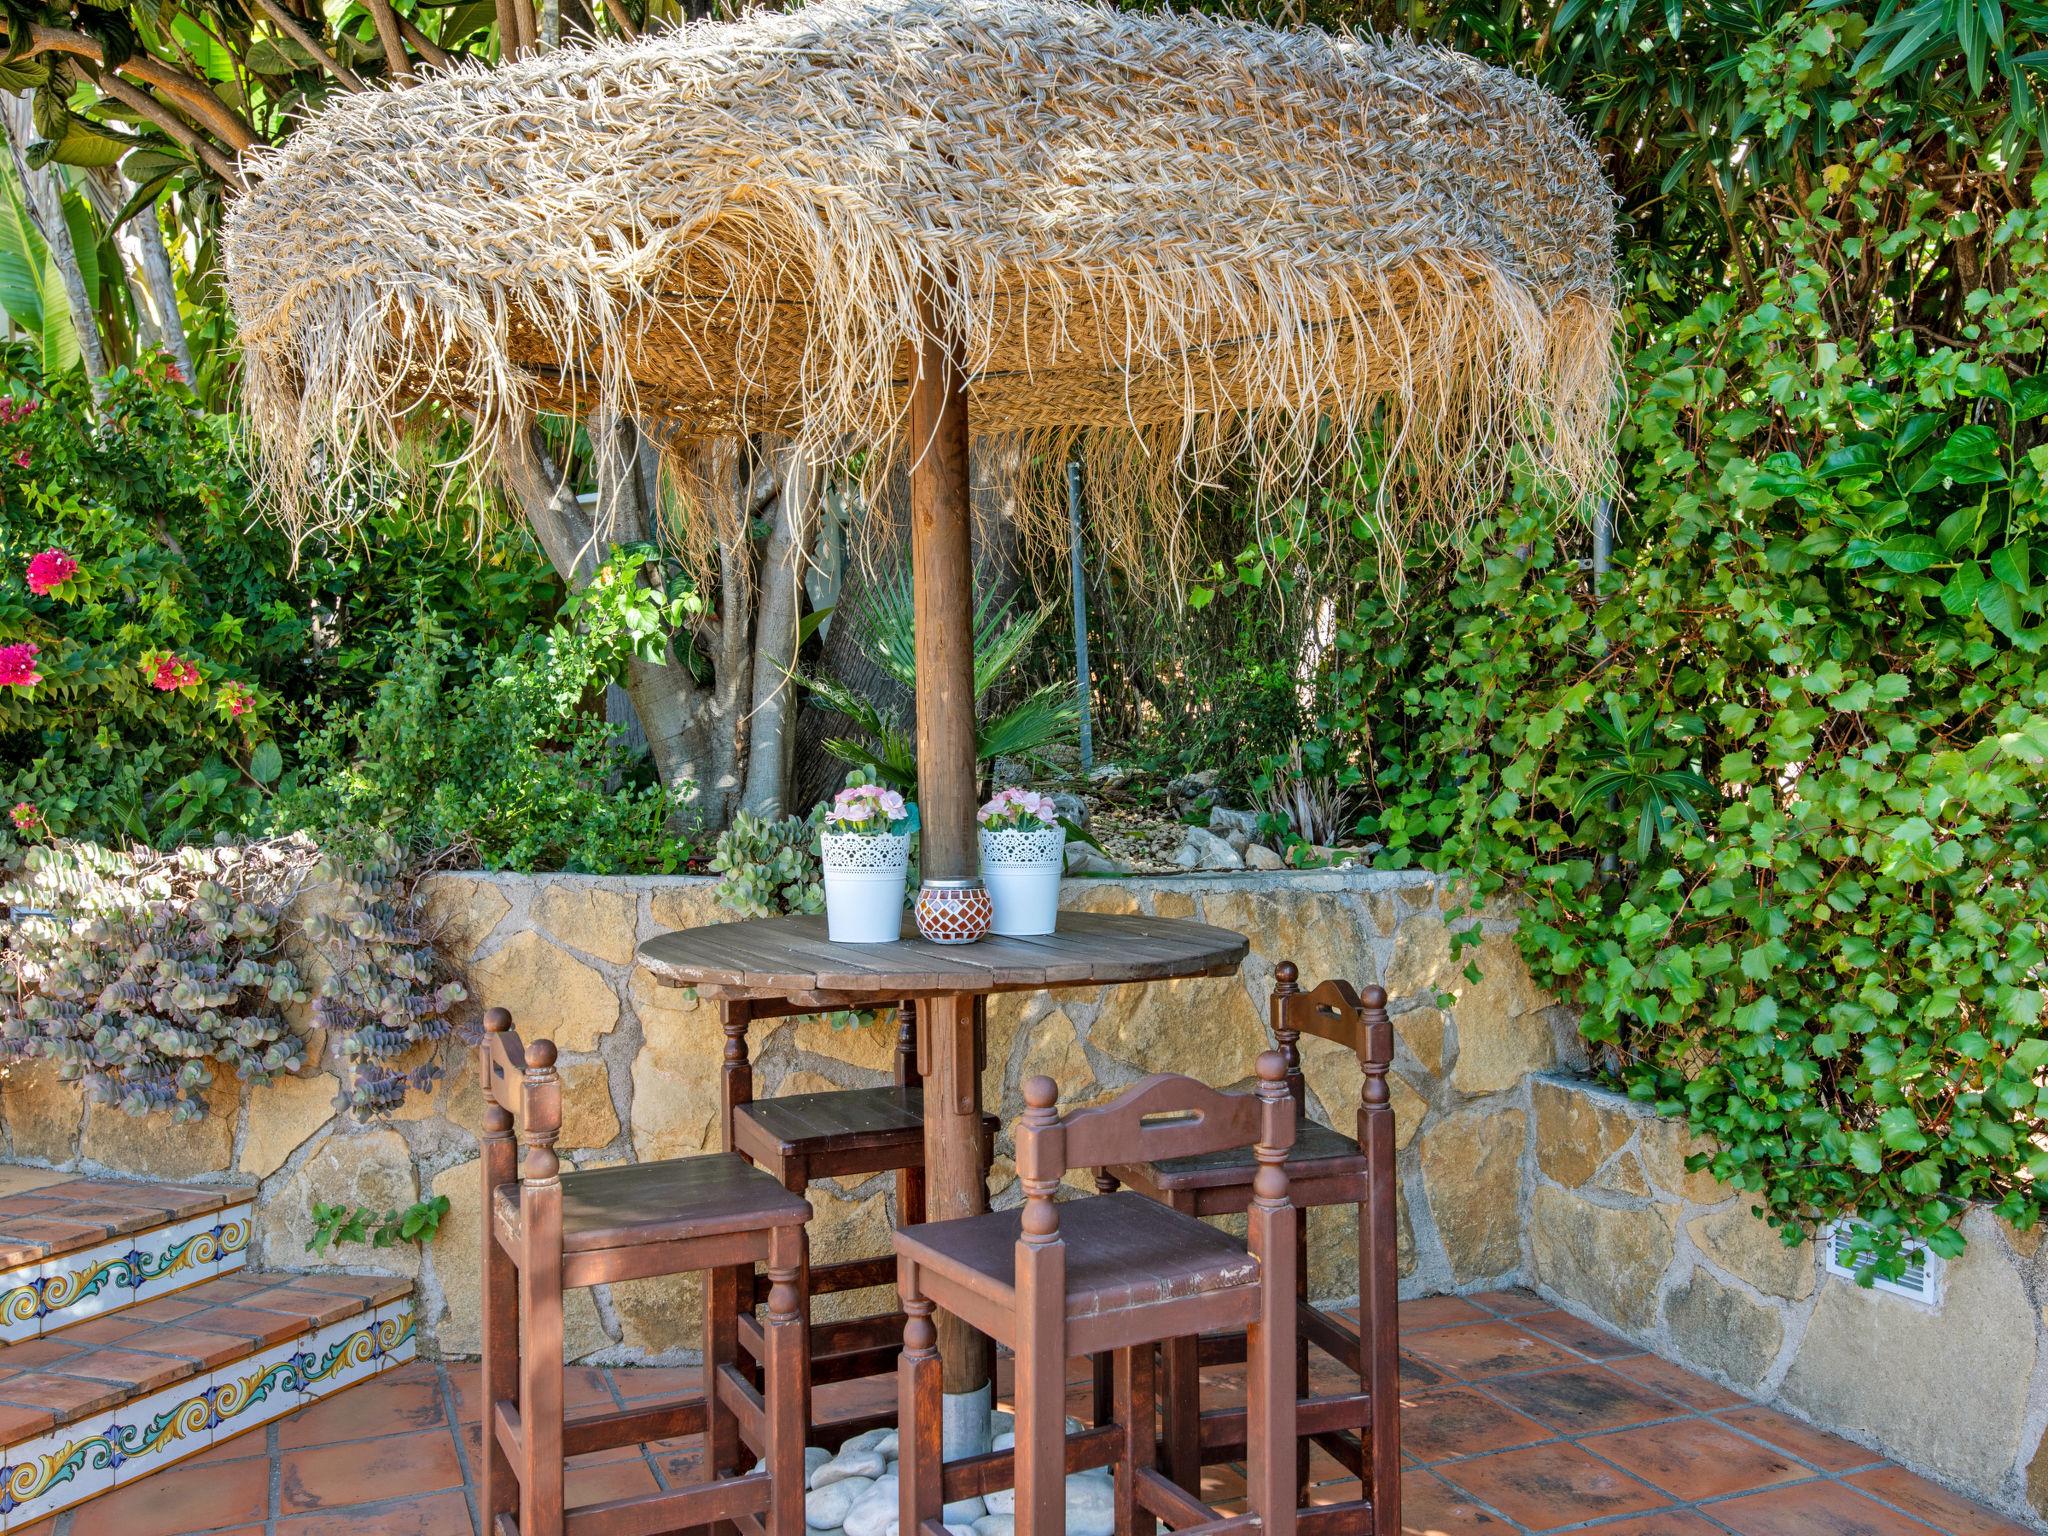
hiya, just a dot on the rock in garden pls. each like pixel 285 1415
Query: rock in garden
pixel 815 1456
pixel 1072 808
pixel 874 1511
pixel 1225 822
pixel 1259 856
pixel 885 1444
pixel 1084 860
pixel 996 1525
pixel 1109 774
pixel 849 1463
pixel 1205 850
pixel 871 1440
pixel 827 1507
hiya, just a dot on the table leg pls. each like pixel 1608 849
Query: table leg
pixel 956 1184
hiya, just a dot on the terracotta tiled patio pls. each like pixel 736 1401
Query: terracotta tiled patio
pixel 1517 1418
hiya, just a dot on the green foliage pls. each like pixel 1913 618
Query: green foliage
pixel 139 975
pixel 174 566
pixel 419 1222
pixel 886 750
pixel 770 868
pixel 496 753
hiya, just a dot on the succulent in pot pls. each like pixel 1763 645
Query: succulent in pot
pixel 1023 845
pixel 865 850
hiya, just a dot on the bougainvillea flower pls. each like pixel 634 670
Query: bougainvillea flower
pixel 26 817
pixel 50 570
pixel 18 665
pixel 237 700
pixel 171 674
pixel 21 459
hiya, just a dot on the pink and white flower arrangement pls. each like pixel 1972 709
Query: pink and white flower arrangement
pixel 169 674
pixel 868 810
pixel 50 570
pixel 18 665
pixel 1020 810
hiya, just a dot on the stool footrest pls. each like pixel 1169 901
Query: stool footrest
pixel 1180 1511
pixel 652 1514
pixel 605 1431
pixel 1223 1428
pixel 1334 1519
pixel 845 1275
pixel 972 1477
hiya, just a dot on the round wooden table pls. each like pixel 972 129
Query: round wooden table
pixel 789 961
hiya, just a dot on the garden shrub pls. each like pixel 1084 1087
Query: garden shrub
pixel 157 642
pixel 1773 796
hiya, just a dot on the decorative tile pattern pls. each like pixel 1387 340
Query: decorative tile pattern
pixel 50 1294
pixel 113 1447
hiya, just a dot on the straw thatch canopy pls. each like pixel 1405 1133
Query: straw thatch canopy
pixel 1156 240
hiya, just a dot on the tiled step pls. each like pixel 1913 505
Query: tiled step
pixel 85 1248
pixel 115 1398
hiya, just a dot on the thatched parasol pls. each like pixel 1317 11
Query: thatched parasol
pixel 1163 243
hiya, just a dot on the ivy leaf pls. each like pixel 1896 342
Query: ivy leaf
pixel 1865 1152
pixel 1909 553
pixel 1969 456
pixel 2011 565
pixel 1900 1128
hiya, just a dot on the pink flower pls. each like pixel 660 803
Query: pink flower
pixel 866 808
pixel 239 700
pixel 18 665
pixel 13 410
pixel 21 459
pixel 1026 809
pixel 171 674
pixel 26 817
pixel 50 570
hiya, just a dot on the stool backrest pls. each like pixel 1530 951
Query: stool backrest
pixel 1338 1012
pixel 1166 1115
pixel 519 1084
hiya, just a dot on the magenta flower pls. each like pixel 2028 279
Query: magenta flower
pixel 238 700
pixel 18 665
pixel 26 817
pixel 50 570
pixel 171 674
pixel 21 459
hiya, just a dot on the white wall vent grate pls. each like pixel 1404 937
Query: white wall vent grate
pixel 1921 1281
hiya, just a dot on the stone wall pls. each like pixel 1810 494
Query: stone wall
pixel 1619 1231
pixel 639 1066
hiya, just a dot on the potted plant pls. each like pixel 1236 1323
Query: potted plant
pixel 865 849
pixel 1023 844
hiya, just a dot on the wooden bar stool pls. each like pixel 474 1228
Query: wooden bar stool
pixel 1112 1274
pixel 1324 1168
pixel 854 1132
pixel 547 1231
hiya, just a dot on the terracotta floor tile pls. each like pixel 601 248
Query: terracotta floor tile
pixel 165 1309
pixel 20 1420
pixel 658 1381
pixel 1583 1399
pixel 466 1380
pixel 1670 1522
pixel 1431 1507
pixel 1689 1387
pixel 439 1514
pixel 1936 1505
pixel 102 1330
pixel 1478 1350
pixel 333 1476
pixel 180 1500
pixel 1510 1303
pixel 1436 1312
pixel 1697 1459
pixel 1544 1486
pixel 623 1478
pixel 125 1368
pixel 62 1395
pixel 36 1354
pixel 382 1408
pixel 184 1343
pixel 1815 1447
pixel 1813 1509
pixel 1577 1334
pixel 1416 1375
pixel 1459 1421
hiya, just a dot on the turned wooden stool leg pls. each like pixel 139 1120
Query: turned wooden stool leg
pixel 1302 1445
pixel 920 1410
pixel 1180 1393
pixel 785 1354
pixel 501 1323
pixel 1099 1366
pixel 1134 1416
pixel 721 1347
pixel 540 1398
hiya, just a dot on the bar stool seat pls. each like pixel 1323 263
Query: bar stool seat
pixel 1123 1251
pixel 1317 1152
pixel 867 1130
pixel 636 1204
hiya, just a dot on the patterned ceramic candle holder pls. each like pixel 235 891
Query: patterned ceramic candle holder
pixel 953 911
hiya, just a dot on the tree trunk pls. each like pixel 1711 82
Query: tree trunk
pixel 141 242
pixel 771 740
pixel 44 197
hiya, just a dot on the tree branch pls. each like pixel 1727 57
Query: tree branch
pixel 288 24
pixel 386 21
pixel 189 92
pixel 423 45
pixel 617 11
pixel 145 105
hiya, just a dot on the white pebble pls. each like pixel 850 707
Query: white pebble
pixel 875 1511
pixel 848 1464
pixel 870 1440
pixel 815 1456
pixel 886 1445
pixel 826 1507
pixel 1091 1505
pixel 996 1525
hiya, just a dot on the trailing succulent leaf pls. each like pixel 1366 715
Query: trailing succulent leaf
pixel 139 974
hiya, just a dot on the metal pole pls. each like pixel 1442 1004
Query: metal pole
pixel 1603 538
pixel 1080 587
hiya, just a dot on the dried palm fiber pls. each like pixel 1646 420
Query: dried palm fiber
pixel 1168 244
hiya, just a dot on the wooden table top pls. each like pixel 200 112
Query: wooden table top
pixel 790 957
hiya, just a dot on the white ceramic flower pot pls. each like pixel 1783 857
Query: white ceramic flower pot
pixel 1022 872
pixel 865 878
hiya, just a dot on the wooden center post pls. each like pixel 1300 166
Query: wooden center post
pixel 942 575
